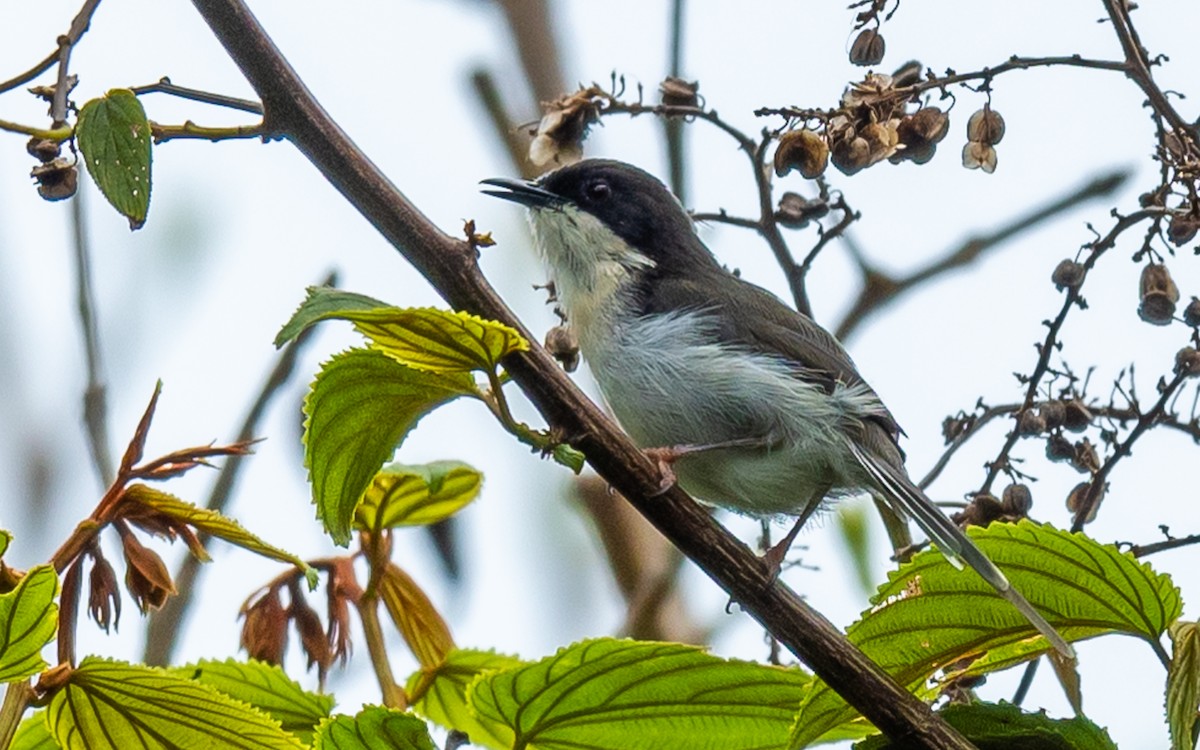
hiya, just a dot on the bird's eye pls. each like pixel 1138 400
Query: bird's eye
pixel 598 191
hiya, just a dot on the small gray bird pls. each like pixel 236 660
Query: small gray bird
pixel 756 408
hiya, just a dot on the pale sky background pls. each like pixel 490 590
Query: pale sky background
pixel 237 230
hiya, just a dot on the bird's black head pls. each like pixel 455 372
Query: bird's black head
pixel 630 202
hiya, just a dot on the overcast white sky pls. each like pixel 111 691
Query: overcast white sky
pixel 237 230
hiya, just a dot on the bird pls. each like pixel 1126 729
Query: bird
pixel 747 403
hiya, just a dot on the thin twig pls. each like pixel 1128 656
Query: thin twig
pixel 164 86
pixel 673 127
pixel 515 141
pixel 189 129
pixel 95 394
pixel 1142 550
pixel 66 42
pixel 1026 682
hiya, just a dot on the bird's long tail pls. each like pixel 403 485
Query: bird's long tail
pixel 950 539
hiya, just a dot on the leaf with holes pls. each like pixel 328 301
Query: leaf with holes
pixel 112 705
pixel 28 619
pixel 374 728
pixel 440 695
pixel 628 695
pixel 1183 684
pixel 417 495
pixel 930 615
pixel 114 136
pixel 415 617
pixel 361 406
pixel 267 688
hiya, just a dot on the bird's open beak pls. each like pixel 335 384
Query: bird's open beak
pixel 526 193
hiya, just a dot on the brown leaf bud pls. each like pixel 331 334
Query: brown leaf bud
pixel 978 155
pixel 146 575
pixel 104 595
pixel 985 126
pixel 1182 228
pixel 563 346
pixel 982 510
pixel 795 211
pixel 1068 274
pixel 851 155
pixel 264 632
pixel 1158 295
pixel 1191 313
pixel 1086 459
pixel 56 180
pixel 312 635
pixel 868 48
pixel 677 92
pixel 1058 448
pixel 1187 362
pixel 802 149
pixel 1030 423
pixel 1017 500
pixel 1076 416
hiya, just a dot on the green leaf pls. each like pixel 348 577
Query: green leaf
pixel 440 695
pixel 322 303
pixel 1183 684
pixel 426 339
pixel 212 522
pixel 930 615
pixel 5 540
pixel 418 621
pixel 33 734
pixel 990 725
pixel 111 705
pixel 417 495
pixel 626 695
pixel 114 136
pixel 855 530
pixel 28 619
pixel 267 688
pixel 361 406
pixel 569 457
pixel 374 728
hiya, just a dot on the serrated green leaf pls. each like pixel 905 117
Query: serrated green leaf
pixel 361 406
pixel 992 725
pixel 114 136
pixel 569 457
pixel 267 688
pixel 930 615
pixel 322 303
pixel 440 695
pixel 403 495
pixel 374 728
pixel 5 540
pixel 423 628
pixel 214 523
pixel 28 619
pixel 33 734
pixel 626 695
pixel 111 705
pixel 1183 684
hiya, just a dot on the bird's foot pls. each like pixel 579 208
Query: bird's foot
pixel 666 457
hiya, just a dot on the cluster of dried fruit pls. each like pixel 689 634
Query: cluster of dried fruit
pixel 984 508
pixel 984 130
pixel 57 177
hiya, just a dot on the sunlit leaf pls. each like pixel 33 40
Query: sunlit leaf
pixel 33 734
pixel 111 705
pixel 990 725
pixel 627 695
pixel 28 619
pixel 214 523
pixel 440 695
pixel 374 728
pixel 5 540
pixel 930 615
pixel 417 495
pixel 267 688
pixel 1183 684
pixel 114 136
pixel 322 303
pixel 361 406
pixel 416 618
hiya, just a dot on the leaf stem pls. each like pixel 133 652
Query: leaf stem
pixel 52 134
pixel 393 694
pixel 16 699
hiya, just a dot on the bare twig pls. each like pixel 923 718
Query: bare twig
pixel 1142 550
pixel 673 127
pixel 66 42
pixel 164 86
pixel 95 399
pixel 529 23
pixel 191 130
pixel 515 141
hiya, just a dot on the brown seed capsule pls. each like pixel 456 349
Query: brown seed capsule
pixel 920 133
pixel 795 211
pixel 981 511
pixel 57 180
pixel 1187 362
pixel 907 74
pixel 868 48
pixel 1191 313
pixel 978 155
pixel 1182 228
pixel 851 155
pixel 677 92
pixel 1076 416
pixel 1068 274
pixel 1030 423
pixel 1058 448
pixel 802 149
pixel 146 576
pixel 43 149
pixel 563 346
pixel 952 427
pixel 264 632
pixel 1017 500
pixel 882 138
pixel 985 126
pixel 1086 459
pixel 1054 412
pixel 1078 497
pixel 1158 295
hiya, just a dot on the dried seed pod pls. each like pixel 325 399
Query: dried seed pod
pixel 264 632
pixel 1158 295
pixel 1182 228
pixel 563 346
pixel 952 427
pixel 1017 500
pixel 1078 496
pixel 1058 448
pixel 985 126
pixel 882 138
pixel 851 155
pixel 1054 412
pixel 920 133
pixel 1187 362
pixel 977 155
pixel 1030 423
pixel 802 149
pixel 1068 274
pixel 104 595
pixel 1076 416
pixel 1086 459
pixel 1191 313
pixel 560 134
pixel 56 180
pixel 907 74
pixel 868 48
pixel 795 211
pixel 44 150
pixel 981 511
pixel 677 92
